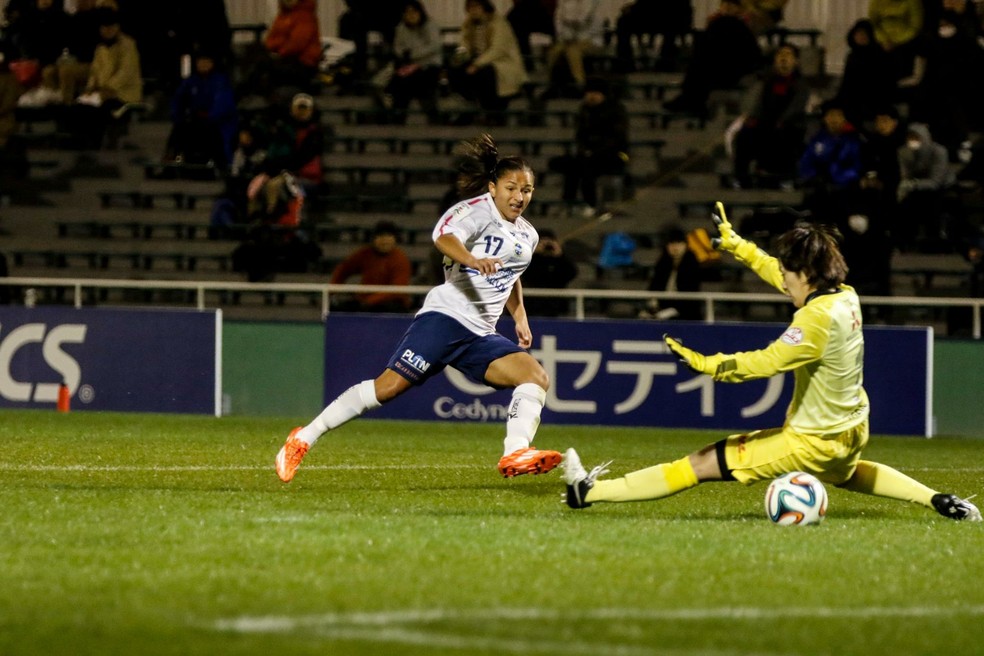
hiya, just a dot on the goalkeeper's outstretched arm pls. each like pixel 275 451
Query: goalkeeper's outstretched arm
pixel 746 252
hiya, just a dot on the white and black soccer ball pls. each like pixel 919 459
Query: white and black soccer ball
pixel 796 499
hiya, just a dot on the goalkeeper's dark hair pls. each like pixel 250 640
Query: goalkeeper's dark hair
pixel 814 250
pixel 479 164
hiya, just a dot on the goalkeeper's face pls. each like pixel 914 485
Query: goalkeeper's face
pixel 796 286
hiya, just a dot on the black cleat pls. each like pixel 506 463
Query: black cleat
pixel 952 506
pixel 579 480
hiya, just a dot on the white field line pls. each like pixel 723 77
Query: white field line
pixel 14 467
pixel 280 623
pixel 411 627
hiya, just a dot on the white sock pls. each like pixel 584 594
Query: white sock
pixel 352 403
pixel 524 416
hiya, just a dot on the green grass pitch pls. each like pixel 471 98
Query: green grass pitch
pixel 137 534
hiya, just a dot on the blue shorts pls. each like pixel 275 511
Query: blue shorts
pixel 434 341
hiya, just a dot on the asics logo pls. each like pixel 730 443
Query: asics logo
pixel 413 360
pixel 50 342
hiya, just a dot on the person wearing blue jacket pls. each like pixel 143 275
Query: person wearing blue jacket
pixel 830 167
pixel 203 112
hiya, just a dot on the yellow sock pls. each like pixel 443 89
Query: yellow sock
pixel 883 481
pixel 651 483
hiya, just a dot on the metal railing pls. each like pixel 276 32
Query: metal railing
pixel 579 297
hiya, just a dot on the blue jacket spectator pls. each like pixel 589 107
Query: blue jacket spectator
pixel 833 155
pixel 203 111
pixel 831 166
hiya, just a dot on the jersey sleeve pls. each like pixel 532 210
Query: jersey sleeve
pixel 764 265
pixel 462 221
pixel 804 341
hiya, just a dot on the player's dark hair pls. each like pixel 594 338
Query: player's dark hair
pixel 479 164
pixel 813 250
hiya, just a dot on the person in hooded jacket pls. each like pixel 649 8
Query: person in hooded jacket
pixel 925 178
pixel 949 95
pixel 867 82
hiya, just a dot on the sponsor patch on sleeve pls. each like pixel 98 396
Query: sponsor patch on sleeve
pixel 793 336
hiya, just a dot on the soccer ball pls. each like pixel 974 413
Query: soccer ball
pixel 796 499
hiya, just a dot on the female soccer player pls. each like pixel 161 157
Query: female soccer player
pixel 826 425
pixel 487 244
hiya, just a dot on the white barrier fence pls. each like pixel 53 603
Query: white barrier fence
pixel 580 297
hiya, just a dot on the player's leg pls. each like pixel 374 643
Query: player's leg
pixel 655 482
pixel 746 458
pixel 352 403
pixel 884 481
pixel 418 357
pixel 520 371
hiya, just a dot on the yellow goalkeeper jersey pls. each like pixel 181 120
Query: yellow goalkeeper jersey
pixel 823 346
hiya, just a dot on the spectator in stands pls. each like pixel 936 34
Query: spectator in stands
pixel 965 13
pixel 772 125
pixel 297 143
pixel 358 20
pixel 528 17
pixel 830 167
pixel 168 33
pixel 763 15
pixel 353 25
pixel 13 159
pixel 578 32
pixel 867 81
pixel 293 45
pixel 676 270
pixel 550 268
pixel 724 53
pixel 949 96
pixel 44 35
pixel 867 249
pixel 925 178
pixel 418 50
pixel 275 243
pixel 669 19
pixel 897 26
pixel 65 80
pixel 203 113
pixel 114 83
pixel 488 66
pixel 880 161
pixel 602 145
pixel 230 209
pixel 381 262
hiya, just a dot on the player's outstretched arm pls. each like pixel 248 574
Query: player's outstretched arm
pixel 746 252
pixel 697 362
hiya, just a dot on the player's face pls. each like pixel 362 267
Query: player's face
pixel 797 287
pixel 512 193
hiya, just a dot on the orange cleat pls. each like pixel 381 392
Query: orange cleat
pixel 290 455
pixel 528 461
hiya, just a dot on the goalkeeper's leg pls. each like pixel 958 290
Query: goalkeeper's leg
pixel 884 481
pixel 663 480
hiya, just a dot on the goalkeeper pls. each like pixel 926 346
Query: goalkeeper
pixel 826 426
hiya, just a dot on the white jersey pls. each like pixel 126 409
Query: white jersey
pixel 474 300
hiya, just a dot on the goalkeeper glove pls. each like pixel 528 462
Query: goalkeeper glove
pixel 728 239
pixel 695 361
